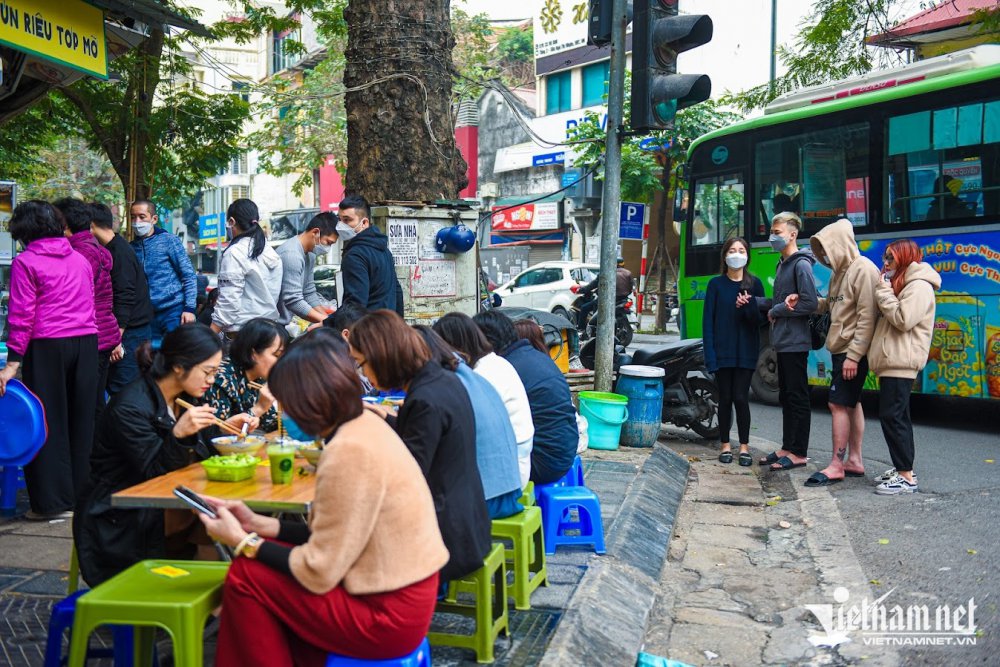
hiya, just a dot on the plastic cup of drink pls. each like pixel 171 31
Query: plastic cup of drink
pixel 282 461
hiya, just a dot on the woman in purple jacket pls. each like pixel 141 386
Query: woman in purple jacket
pixel 78 216
pixel 53 334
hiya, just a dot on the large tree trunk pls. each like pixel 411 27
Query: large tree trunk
pixel 401 131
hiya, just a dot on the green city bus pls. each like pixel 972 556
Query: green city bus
pixel 909 152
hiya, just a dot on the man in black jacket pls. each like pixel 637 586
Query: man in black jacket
pixel 366 266
pixel 132 307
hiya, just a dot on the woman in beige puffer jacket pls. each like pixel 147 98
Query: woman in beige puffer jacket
pixel 898 352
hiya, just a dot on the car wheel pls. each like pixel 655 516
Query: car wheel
pixel 764 381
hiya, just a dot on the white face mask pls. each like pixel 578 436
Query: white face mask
pixel 777 242
pixel 142 229
pixel 890 273
pixel 736 261
pixel 345 231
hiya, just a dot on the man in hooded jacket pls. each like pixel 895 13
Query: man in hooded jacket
pixel 853 312
pixel 367 267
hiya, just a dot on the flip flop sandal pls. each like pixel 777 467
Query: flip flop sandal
pixel 849 473
pixel 785 463
pixel 726 457
pixel 769 459
pixel 745 459
pixel 819 479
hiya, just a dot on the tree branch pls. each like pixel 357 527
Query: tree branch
pixel 99 131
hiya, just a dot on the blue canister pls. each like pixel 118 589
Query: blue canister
pixel 643 385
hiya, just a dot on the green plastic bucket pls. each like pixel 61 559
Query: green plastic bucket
pixel 605 413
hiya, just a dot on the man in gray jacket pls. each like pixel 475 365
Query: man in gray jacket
pixel 791 339
pixel 298 287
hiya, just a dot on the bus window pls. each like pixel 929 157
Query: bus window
pixel 718 210
pixel 821 176
pixel 942 164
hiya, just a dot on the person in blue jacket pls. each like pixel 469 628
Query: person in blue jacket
pixel 552 411
pixel 731 326
pixel 367 267
pixel 173 285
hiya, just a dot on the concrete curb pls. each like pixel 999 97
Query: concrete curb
pixel 605 621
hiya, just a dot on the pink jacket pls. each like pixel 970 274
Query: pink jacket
pixel 108 334
pixel 51 295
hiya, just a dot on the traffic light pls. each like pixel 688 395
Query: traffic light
pixel 658 35
pixel 599 21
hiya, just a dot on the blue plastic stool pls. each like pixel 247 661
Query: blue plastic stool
pixel 11 479
pixel 556 503
pixel 573 477
pixel 421 657
pixel 62 620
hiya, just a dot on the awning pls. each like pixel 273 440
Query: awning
pixel 527 155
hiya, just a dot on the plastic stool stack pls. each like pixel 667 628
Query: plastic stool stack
pixel 420 657
pixel 571 513
pixel 527 555
pixel 62 620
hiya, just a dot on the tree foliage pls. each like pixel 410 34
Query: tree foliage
pixel 640 170
pixel 831 45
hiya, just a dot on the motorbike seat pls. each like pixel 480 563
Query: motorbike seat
pixel 653 356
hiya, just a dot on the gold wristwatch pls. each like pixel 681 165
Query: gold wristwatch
pixel 252 546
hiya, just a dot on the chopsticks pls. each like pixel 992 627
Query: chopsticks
pixel 218 422
pixel 255 385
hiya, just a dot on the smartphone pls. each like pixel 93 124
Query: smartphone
pixel 195 501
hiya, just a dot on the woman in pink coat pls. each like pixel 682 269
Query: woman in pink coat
pixel 53 341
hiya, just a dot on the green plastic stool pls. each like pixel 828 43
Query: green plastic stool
pixel 528 496
pixel 73 579
pixel 527 556
pixel 489 584
pixel 139 597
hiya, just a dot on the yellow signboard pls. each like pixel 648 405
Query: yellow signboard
pixel 67 32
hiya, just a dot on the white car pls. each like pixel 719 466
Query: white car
pixel 549 286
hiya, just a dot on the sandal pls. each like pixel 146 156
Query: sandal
pixel 745 459
pixel 819 479
pixel 726 457
pixel 769 459
pixel 785 463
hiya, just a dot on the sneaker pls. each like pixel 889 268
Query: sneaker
pixel 895 486
pixel 889 475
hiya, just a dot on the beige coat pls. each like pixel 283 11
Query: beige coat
pixel 903 334
pixel 373 525
pixel 851 298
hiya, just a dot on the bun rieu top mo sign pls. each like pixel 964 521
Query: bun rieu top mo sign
pixel 69 33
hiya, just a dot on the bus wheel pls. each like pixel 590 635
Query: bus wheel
pixel 765 378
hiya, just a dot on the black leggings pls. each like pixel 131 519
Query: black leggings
pixel 734 390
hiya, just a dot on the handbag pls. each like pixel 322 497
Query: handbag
pixel 819 325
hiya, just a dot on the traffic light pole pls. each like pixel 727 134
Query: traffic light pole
pixel 605 348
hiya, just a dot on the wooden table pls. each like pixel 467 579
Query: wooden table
pixel 257 492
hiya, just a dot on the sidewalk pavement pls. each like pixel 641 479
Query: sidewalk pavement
pixel 724 584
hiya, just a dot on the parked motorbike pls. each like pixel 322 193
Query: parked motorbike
pixel 623 323
pixel 689 401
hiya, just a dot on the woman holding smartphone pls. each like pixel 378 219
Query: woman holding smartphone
pixel 731 327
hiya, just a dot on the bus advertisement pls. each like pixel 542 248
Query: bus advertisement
pixel 919 160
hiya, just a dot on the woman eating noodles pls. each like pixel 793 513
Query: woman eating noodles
pixel 361 578
pixel 252 355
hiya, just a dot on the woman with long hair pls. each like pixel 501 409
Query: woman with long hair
pixel 731 325
pixel 436 424
pixel 250 273
pixel 53 333
pixel 898 352
pixel 253 353
pixel 531 331
pixel 144 434
pixel 361 578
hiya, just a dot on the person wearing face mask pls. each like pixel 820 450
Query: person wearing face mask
pixel 367 267
pixel 250 273
pixel 731 329
pixel 173 285
pixel 791 339
pixel 298 259
pixel 851 304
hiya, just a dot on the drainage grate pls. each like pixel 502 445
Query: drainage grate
pixel 530 632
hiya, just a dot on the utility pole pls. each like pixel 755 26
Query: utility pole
pixel 774 40
pixel 605 349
